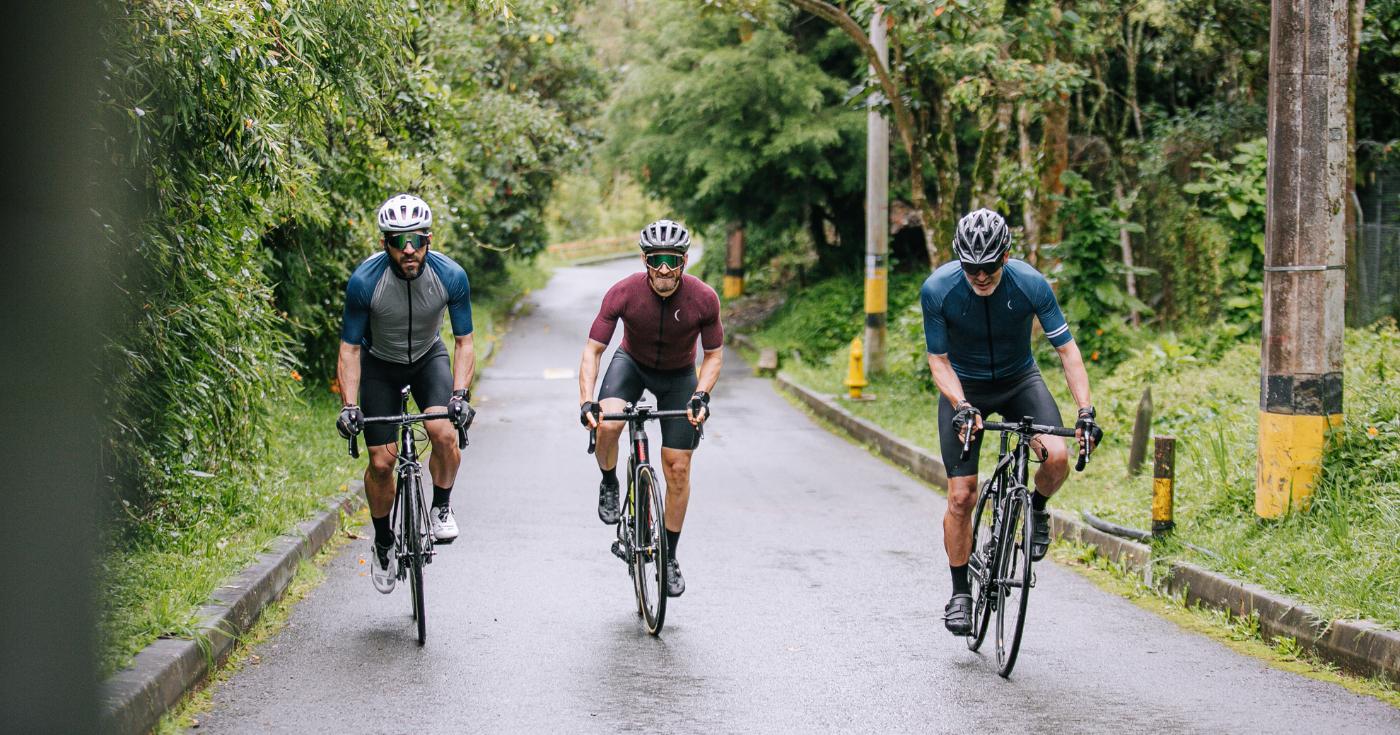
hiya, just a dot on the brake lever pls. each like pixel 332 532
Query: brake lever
pixel 354 446
pixel 967 443
pixel 462 437
pixel 592 440
pixel 1083 457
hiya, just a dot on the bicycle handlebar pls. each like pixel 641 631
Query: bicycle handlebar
pixel 646 415
pixel 1027 430
pixel 413 418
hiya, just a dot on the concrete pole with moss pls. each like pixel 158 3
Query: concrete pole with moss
pixel 877 214
pixel 1305 249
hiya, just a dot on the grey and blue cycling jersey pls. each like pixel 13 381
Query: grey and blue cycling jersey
pixel 398 320
pixel 989 338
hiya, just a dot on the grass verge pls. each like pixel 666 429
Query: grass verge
pixel 1341 558
pixel 157 572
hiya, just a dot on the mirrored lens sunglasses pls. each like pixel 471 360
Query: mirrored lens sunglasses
pixel 401 240
pixel 973 269
pixel 669 260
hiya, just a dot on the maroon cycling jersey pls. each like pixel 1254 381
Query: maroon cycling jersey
pixel 660 333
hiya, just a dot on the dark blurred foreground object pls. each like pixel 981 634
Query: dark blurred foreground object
pixel 51 299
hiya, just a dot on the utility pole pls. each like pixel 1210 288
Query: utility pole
pixel 1305 249
pixel 734 261
pixel 877 213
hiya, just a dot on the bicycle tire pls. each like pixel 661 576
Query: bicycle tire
pixel 414 556
pixel 1014 579
pixel 651 551
pixel 980 562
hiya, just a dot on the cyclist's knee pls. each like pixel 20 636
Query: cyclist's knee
pixel 381 461
pixel 962 495
pixel 1055 453
pixel 676 464
pixel 610 430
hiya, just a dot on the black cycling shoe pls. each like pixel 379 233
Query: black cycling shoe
pixel 1040 535
pixel 608 511
pixel 675 583
pixel 957 614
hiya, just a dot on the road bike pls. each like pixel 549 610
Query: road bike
pixel 1000 565
pixel 413 538
pixel 641 530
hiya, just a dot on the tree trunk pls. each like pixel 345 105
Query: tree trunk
pixel 986 188
pixel 1029 206
pixel 1125 242
pixel 945 161
pixel 1054 156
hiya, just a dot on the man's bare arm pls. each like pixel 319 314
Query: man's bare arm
pixel 347 373
pixel 464 362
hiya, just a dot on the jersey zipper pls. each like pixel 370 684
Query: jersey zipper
pixel 991 354
pixel 660 330
pixel 409 341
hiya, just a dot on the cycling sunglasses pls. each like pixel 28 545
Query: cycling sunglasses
pixel 973 269
pixel 670 260
pixel 401 240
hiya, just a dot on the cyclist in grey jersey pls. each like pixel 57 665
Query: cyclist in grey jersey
pixel 394 305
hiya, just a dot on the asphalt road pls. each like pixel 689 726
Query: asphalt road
pixel 815 586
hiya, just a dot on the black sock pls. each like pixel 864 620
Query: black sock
pixel 609 475
pixel 672 538
pixel 960 584
pixel 1038 501
pixel 383 534
pixel 441 495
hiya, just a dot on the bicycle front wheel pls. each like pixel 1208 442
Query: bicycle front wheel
pixel 1013 578
pixel 413 546
pixel 651 552
pixel 980 566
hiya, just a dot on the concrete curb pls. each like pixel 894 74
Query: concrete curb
pixel 1359 646
pixel 135 698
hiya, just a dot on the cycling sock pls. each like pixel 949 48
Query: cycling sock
pixel 383 534
pixel 672 538
pixel 960 584
pixel 1038 501
pixel 609 475
pixel 441 495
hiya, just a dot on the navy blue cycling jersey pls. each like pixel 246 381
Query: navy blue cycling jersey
pixel 989 337
pixel 398 319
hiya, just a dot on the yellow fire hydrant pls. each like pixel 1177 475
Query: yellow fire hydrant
pixel 855 377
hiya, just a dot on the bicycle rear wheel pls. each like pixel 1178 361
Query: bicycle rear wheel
pixel 651 551
pixel 980 564
pixel 413 557
pixel 1013 578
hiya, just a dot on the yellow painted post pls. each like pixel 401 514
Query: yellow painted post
pixel 1163 478
pixel 734 262
pixel 855 376
pixel 1304 250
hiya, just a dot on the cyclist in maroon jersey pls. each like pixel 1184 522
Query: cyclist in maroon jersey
pixel 663 312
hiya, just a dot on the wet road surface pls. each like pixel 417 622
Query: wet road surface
pixel 815 585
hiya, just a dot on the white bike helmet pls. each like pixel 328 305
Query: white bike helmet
pixel 404 213
pixel 982 237
pixel 664 234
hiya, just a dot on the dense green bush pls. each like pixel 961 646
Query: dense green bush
pixel 257 139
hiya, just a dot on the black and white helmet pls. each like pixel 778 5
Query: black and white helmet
pixel 664 234
pixel 404 213
pixel 982 237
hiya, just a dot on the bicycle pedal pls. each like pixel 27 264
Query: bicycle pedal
pixel 617 550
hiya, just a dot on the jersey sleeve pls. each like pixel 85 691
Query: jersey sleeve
pixel 606 322
pixel 355 323
pixel 935 328
pixel 459 301
pixel 711 330
pixel 1047 309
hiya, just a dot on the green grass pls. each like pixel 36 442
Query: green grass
pixel 1342 557
pixel 157 571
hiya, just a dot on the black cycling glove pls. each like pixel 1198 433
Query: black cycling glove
pixel 351 421
pixel 459 409
pixel 589 407
pixel 966 416
pixel 1086 424
pixel 699 401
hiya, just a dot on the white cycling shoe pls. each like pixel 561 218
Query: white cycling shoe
pixel 383 570
pixel 444 525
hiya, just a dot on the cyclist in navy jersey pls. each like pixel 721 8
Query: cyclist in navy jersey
pixel 663 312
pixel 977 328
pixel 393 312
